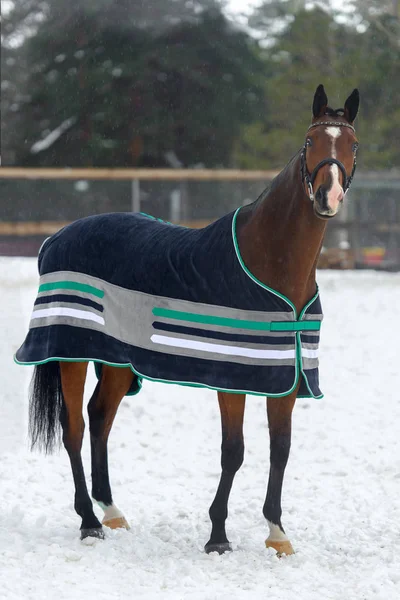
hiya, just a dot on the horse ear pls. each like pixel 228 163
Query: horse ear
pixel 320 102
pixel 351 106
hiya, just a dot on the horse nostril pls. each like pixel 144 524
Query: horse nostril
pixel 321 194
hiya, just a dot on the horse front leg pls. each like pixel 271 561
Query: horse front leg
pixel 232 451
pixel 280 427
pixel 102 408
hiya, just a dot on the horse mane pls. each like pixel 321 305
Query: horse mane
pixel 276 180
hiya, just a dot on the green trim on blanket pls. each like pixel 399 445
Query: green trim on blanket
pixel 155 218
pixel 183 383
pixel 300 361
pixel 297 326
pixel 249 273
pixel 260 283
pixel 237 323
pixel 71 285
pixel 97 364
pixel 299 346
pixel 309 304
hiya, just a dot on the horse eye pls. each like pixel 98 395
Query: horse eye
pixel 308 142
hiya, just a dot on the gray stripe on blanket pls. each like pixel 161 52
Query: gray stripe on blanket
pixel 125 296
pixel 310 363
pixel 90 326
pixel 65 292
pixel 128 318
pixel 313 317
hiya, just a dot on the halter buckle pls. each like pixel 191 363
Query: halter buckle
pixel 310 191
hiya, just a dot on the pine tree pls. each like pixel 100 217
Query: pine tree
pixel 121 95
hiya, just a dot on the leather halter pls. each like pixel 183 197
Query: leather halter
pixel 309 178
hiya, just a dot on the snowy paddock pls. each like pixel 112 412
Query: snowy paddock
pixel 341 497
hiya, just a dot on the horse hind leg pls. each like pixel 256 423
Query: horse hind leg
pixel 73 377
pixel 232 450
pixel 112 387
pixel 279 420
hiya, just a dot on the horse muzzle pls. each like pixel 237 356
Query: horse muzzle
pixel 328 201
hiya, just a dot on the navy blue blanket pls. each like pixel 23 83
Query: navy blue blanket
pixel 174 304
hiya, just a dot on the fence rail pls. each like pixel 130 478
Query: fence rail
pixel 127 174
pixel 37 202
pixel 135 177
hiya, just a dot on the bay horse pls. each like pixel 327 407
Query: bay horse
pixel 278 240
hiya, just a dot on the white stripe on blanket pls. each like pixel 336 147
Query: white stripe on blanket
pixel 309 352
pixel 221 349
pixel 61 311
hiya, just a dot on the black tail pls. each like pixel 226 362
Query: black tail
pixel 45 404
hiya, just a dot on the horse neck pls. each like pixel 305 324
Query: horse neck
pixel 280 237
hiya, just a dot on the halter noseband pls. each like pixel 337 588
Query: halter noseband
pixel 310 178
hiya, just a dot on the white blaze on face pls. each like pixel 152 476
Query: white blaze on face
pixel 335 194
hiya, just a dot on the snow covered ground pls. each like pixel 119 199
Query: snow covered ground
pixel 341 495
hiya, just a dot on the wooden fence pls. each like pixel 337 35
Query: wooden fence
pixel 30 228
pixel 354 225
pixel 136 174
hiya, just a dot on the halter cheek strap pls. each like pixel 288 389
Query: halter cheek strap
pixel 309 178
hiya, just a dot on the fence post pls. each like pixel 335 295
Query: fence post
pixel 135 195
pixel 175 206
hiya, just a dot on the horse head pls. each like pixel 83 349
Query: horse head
pixel 329 153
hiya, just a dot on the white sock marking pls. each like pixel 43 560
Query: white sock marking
pixel 276 534
pixel 111 511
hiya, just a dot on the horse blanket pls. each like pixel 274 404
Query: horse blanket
pixel 174 304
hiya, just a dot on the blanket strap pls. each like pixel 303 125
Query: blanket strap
pixel 237 323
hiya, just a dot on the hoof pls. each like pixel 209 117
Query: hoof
pixel 283 547
pixel 116 523
pixel 220 548
pixel 95 532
